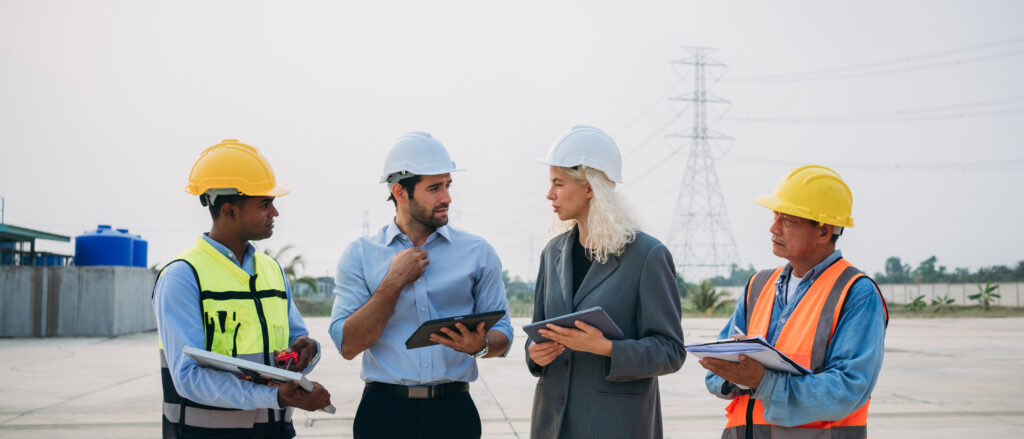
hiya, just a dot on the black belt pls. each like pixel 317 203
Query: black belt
pixel 420 392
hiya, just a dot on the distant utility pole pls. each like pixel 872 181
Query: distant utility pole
pixel 701 239
pixel 529 257
pixel 366 223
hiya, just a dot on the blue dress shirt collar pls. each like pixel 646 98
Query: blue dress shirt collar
pixel 392 231
pixel 248 263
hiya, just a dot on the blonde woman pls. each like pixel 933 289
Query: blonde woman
pixel 590 386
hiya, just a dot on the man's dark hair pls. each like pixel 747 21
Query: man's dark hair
pixel 409 184
pixel 814 223
pixel 221 200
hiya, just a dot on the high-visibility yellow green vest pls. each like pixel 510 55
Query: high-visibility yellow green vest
pixel 243 316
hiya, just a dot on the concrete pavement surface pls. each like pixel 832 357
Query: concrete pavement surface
pixel 942 378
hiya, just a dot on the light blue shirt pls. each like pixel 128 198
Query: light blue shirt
pixel 852 363
pixel 463 277
pixel 176 304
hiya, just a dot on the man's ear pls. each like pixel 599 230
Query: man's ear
pixel 827 230
pixel 398 191
pixel 229 211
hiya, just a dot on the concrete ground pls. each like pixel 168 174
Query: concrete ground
pixel 942 378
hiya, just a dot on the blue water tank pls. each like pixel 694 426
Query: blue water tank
pixel 139 251
pixel 7 252
pixel 49 260
pixel 103 246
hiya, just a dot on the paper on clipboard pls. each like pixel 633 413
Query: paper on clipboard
pixel 240 367
pixel 756 348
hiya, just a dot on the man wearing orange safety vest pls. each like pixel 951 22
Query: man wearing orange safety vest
pixel 818 309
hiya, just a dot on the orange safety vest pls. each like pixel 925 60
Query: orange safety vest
pixel 804 338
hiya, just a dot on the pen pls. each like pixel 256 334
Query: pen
pixel 737 330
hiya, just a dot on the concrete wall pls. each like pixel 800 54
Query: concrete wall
pixel 1011 293
pixel 75 301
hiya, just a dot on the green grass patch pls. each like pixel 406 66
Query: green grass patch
pixel 321 307
pixel 971 311
pixel 314 306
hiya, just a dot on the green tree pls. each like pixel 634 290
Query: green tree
pixel 985 295
pixel 681 285
pixel 926 271
pixel 918 304
pixel 738 276
pixel 292 268
pixel 705 298
pixel 896 271
pixel 519 294
pixel 942 304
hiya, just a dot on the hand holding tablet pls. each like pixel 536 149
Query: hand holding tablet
pixel 421 338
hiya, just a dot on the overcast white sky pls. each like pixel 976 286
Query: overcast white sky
pixel 104 106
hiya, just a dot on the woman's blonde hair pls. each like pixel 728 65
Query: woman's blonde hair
pixel 610 222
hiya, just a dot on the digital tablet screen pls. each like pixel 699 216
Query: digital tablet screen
pixel 595 317
pixel 421 337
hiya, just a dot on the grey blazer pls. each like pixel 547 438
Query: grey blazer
pixel 582 395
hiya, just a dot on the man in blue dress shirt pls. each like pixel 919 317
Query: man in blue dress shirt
pixel 415 269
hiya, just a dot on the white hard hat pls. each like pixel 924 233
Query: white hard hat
pixel 416 153
pixel 588 147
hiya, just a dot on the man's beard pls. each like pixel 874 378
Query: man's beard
pixel 426 216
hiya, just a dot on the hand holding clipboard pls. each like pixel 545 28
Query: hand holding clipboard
pixel 752 355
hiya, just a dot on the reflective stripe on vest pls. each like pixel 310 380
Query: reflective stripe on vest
pixel 805 338
pixel 243 316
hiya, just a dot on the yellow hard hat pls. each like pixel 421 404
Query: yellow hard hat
pixel 231 164
pixel 813 192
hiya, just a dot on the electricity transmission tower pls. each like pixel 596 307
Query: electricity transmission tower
pixel 701 239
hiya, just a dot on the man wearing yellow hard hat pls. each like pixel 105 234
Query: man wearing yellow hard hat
pixel 223 296
pixel 818 309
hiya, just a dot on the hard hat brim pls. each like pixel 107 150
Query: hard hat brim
pixel 279 190
pixel 614 178
pixel 774 204
pixel 384 179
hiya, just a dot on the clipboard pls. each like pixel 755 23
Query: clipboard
pixel 421 337
pixel 757 348
pixel 595 317
pixel 240 368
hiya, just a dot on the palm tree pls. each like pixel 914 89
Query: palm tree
pixel 291 269
pixel 706 299
pixel 985 295
pixel 942 304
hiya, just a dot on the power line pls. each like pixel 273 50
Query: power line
pixel 651 137
pixel 655 104
pixel 883 67
pixel 975 109
pixel 979 165
pixel 963 115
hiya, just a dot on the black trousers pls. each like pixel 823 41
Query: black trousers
pixel 385 416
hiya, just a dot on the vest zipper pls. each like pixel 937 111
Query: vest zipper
pixel 266 334
pixel 750 416
pixel 263 320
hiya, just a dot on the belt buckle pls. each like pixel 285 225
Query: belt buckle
pixel 421 392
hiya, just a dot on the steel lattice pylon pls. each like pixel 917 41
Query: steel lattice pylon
pixel 701 239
